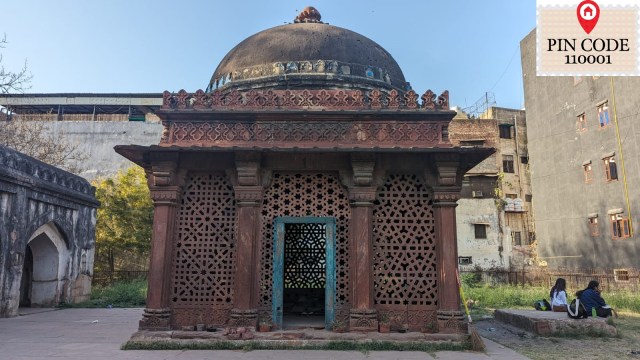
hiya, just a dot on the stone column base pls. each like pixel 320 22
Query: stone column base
pixel 155 320
pixel 363 320
pixel 451 322
pixel 244 318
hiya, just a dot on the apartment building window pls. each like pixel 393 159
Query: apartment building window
pixel 528 197
pixel 594 227
pixel 511 196
pixel 505 131
pixel 588 173
pixel 524 159
pixel 465 260
pixel 610 168
pixel 603 114
pixel 517 238
pixel 619 226
pixel 480 230
pixel 507 163
pixel 582 123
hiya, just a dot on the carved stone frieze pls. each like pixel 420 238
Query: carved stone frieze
pixel 415 319
pixel 327 99
pixel 247 318
pixel 210 316
pixel 345 133
pixel 451 322
pixel 451 195
pixel 167 195
pixel 248 195
pixel 363 320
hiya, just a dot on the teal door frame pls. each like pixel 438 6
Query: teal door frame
pixel 278 266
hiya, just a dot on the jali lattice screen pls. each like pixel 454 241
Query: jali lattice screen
pixel 204 252
pixel 304 256
pixel 405 275
pixel 318 195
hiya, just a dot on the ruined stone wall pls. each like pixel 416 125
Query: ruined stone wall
pixel 54 212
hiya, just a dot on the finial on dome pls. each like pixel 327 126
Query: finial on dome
pixel 308 15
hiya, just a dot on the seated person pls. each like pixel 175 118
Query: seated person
pixel 558 295
pixel 591 299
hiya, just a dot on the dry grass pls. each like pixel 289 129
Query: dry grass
pixel 561 348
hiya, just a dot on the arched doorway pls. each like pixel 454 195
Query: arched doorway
pixel 44 267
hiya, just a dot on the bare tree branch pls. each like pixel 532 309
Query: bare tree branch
pixel 33 138
pixel 13 81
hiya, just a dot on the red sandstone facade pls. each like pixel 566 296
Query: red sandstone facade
pixel 375 161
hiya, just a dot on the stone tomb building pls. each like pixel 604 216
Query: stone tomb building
pixel 307 186
pixel 47 234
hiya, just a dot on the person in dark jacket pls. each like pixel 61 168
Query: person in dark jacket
pixel 590 298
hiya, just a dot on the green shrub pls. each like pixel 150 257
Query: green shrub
pixel 119 295
pixel 471 279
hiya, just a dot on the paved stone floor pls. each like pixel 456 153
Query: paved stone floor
pixel 97 334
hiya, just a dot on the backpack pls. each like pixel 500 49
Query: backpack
pixel 576 310
pixel 542 305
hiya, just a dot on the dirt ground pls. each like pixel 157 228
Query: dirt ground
pixel 625 346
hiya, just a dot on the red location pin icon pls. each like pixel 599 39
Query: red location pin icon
pixel 588 15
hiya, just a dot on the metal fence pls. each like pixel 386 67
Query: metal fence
pixel 610 281
pixel 109 277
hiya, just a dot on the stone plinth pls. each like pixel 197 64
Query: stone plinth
pixel 547 323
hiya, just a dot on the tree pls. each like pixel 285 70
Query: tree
pixel 32 137
pixel 13 81
pixel 125 219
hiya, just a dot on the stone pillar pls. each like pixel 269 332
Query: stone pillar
pixel 165 186
pixel 363 316
pixel 450 316
pixel 248 195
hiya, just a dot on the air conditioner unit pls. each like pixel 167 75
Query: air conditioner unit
pixel 476 194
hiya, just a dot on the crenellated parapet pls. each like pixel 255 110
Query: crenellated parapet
pixel 35 170
pixel 308 99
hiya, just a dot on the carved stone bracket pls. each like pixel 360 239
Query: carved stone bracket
pixel 247 318
pixel 363 320
pixel 363 165
pixel 451 322
pixel 248 169
pixel 155 320
pixel 447 166
pixel 165 173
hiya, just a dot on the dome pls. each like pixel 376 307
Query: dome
pixel 307 54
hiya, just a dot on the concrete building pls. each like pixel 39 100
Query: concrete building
pixel 494 218
pixel 95 122
pixel 47 234
pixel 583 137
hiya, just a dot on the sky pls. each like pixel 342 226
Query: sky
pixel 468 47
